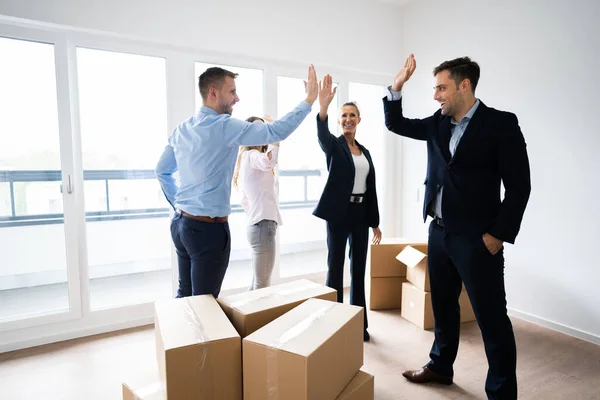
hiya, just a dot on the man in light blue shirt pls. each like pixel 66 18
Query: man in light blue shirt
pixel 204 149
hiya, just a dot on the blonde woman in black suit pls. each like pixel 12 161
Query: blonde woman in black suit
pixel 349 200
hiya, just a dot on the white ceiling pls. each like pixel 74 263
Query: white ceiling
pixel 395 2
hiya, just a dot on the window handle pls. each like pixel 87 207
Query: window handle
pixel 69 185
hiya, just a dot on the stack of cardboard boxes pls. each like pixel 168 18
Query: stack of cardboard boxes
pixel 416 292
pixel 290 341
pixel 388 273
pixel 400 280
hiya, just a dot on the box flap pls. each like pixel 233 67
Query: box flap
pixel 192 320
pixel 154 391
pixel 144 386
pixel 305 328
pixel 360 379
pixel 273 296
pixel 410 256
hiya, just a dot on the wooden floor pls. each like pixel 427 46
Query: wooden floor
pixel 550 365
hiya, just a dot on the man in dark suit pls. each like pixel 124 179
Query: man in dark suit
pixel 471 150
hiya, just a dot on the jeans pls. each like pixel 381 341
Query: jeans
pixel 261 237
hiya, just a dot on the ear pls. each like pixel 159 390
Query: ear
pixel 212 93
pixel 359 119
pixel 465 84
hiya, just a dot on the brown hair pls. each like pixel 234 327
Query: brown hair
pixel 460 69
pixel 243 149
pixel 213 77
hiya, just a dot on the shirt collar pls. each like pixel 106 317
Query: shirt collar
pixel 468 115
pixel 206 111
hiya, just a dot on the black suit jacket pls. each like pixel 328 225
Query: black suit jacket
pixel 334 201
pixel 492 150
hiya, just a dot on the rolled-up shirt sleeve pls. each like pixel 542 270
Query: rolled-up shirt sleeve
pixel 165 168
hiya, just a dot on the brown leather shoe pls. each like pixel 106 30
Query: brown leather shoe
pixel 425 375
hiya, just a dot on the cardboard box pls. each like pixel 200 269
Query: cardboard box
pixel 416 266
pixel 416 306
pixel 145 387
pixel 311 352
pixel 383 257
pixel 252 310
pixel 198 350
pixel 386 293
pixel 361 387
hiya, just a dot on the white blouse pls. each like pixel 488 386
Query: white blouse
pixel 361 170
pixel 259 186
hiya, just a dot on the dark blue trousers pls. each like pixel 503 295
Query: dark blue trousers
pixel 454 259
pixel 355 230
pixel 203 250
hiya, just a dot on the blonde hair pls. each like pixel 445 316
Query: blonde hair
pixel 243 149
pixel 238 162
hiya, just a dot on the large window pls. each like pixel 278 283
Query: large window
pixel 123 114
pixel 303 176
pixel 33 270
pixel 84 226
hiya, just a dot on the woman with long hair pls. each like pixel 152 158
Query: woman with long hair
pixel 254 176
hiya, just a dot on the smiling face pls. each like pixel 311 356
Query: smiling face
pixel 447 93
pixel 349 119
pixel 454 97
pixel 226 96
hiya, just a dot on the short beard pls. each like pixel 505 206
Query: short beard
pixel 225 109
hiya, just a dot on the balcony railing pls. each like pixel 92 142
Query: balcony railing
pixel 110 213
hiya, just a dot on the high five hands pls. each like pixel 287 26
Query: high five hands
pixel 405 73
pixel 326 95
pixel 311 85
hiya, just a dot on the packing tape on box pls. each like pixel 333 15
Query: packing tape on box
pixel 265 295
pixel 289 334
pixel 200 337
pixel 148 390
pixel 194 322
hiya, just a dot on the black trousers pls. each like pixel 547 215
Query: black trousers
pixel 203 250
pixel 454 259
pixel 354 229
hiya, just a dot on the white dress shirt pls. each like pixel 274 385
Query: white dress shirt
pixel 361 170
pixel 258 185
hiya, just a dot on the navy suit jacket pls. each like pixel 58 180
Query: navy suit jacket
pixel 334 201
pixel 492 150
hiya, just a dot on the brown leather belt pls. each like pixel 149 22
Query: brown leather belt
pixel 205 219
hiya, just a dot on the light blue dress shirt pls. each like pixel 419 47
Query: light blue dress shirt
pixel 457 130
pixel 204 149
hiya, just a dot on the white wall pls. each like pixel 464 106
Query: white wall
pixel 540 60
pixel 356 34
